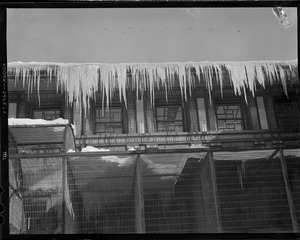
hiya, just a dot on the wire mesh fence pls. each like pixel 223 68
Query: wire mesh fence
pixel 292 157
pixel 154 193
pixel 104 187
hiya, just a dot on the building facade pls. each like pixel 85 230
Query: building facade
pixel 184 147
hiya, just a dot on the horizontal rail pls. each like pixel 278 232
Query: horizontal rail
pixel 186 138
pixel 107 153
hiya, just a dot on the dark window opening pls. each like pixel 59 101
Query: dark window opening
pixel 230 117
pixel 109 121
pixel 169 119
pixel 287 114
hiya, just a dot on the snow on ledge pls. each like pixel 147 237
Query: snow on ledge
pixel 29 121
pixel 94 149
pixel 71 151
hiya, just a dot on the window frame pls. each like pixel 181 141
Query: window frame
pixel 123 119
pixel 183 120
pixel 46 108
pixel 231 102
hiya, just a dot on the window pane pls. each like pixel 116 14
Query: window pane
pixel 109 121
pixel 169 119
pixel 229 117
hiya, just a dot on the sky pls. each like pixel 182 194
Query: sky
pixel 149 35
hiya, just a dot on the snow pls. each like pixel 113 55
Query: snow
pixel 81 81
pixel 131 149
pixel 122 162
pixel 71 151
pixel 198 146
pixel 29 121
pixel 94 149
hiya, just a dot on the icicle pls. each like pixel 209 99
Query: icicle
pixel 283 80
pixel 81 81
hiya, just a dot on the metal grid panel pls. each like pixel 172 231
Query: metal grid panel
pixel 102 192
pixel 252 194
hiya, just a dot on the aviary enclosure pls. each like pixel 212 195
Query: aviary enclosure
pixel 165 192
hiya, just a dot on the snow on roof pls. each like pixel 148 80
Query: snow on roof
pixel 33 122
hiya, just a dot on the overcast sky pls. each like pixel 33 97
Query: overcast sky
pixel 149 35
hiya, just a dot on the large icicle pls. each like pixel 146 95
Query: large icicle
pixel 81 81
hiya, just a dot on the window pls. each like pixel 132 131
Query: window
pixel 109 121
pixel 47 114
pixel 229 117
pixel 12 110
pixel 287 114
pixel 169 119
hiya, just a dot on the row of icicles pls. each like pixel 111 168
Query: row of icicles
pixel 82 81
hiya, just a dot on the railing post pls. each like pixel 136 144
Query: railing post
pixel 215 189
pixel 288 191
pixel 139 198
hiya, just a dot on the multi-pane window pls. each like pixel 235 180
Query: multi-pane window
pixel 47 114
pixel 287 114
pixel 169 119
pixel 229 117
pixel 109 121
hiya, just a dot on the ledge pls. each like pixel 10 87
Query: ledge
pixel 251 139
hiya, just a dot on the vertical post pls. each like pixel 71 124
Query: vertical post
pixel 63 194
pixel 139 198
pixel 215 190
pixel 288 191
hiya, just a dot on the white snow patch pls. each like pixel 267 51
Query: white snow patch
pixel 29 121
pixel 131 149
pixel 121 161
pixel 71 151
pixel 104 150
pixel 198 146
pixel 90 149
pixel 94 149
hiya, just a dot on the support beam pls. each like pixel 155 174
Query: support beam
pixel 272 155
pixel 215 189
pixel 63 216
pixel 288 192
pixel 139 199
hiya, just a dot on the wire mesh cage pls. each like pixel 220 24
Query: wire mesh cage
pixel 194 192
